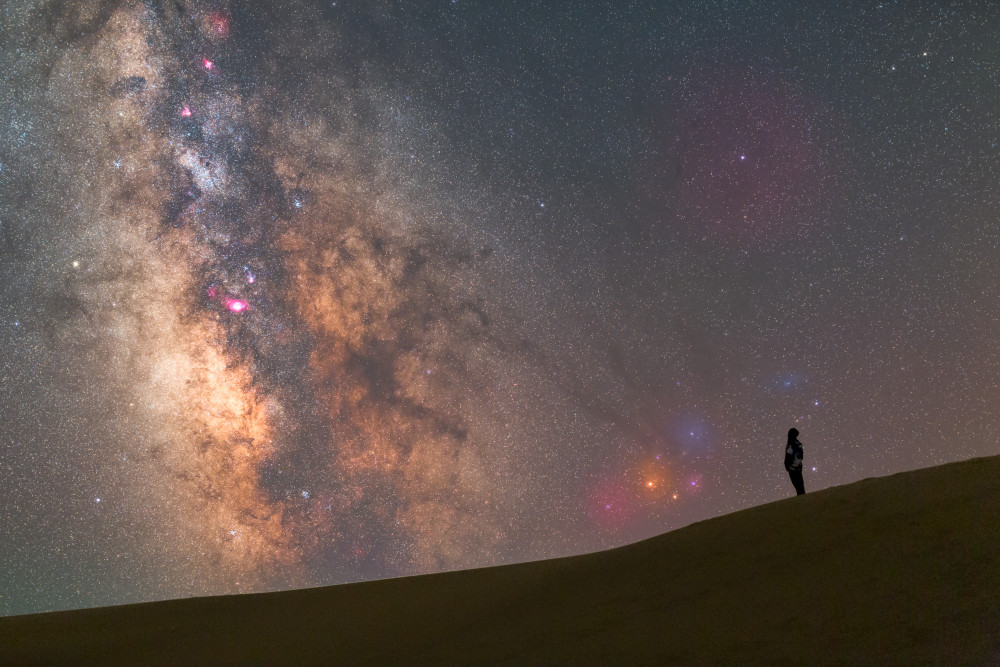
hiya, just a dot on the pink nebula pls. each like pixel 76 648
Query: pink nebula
pixel 186 111
pixel 236 305
pixel 740 165
pixel 609 505
pixel 220 24
pixel 208 64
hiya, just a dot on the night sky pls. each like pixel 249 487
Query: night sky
pixel 310 293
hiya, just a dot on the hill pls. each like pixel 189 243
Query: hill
pixel 901 569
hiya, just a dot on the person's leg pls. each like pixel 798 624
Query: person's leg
pixel 798 482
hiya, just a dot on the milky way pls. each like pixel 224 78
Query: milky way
pixel 308 294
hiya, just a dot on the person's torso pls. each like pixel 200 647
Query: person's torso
pixel 793 455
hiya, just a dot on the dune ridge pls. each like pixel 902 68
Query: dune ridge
pixel 903 569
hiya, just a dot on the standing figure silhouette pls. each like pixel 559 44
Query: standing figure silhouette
pixel 793 461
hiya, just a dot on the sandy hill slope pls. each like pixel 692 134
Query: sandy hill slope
pixel 902 569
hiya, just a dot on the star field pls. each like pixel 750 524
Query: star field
pixel 306 293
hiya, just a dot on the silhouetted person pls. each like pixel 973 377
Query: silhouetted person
pixel 793 461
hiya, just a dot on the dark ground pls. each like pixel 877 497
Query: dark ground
pixel 896 570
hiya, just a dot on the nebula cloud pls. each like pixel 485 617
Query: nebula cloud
pixel 285 335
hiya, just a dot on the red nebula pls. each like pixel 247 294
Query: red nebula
pixel 208 64
pixel 236 305
pixel 186 111
pixel 740 165
pixel 610 505
pixel 220 24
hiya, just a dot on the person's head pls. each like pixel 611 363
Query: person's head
pixel 793 433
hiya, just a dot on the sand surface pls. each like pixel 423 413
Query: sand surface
pixel 894 570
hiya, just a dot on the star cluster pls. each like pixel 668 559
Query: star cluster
pixel 301 294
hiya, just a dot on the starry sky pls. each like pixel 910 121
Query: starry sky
pixel 304 293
